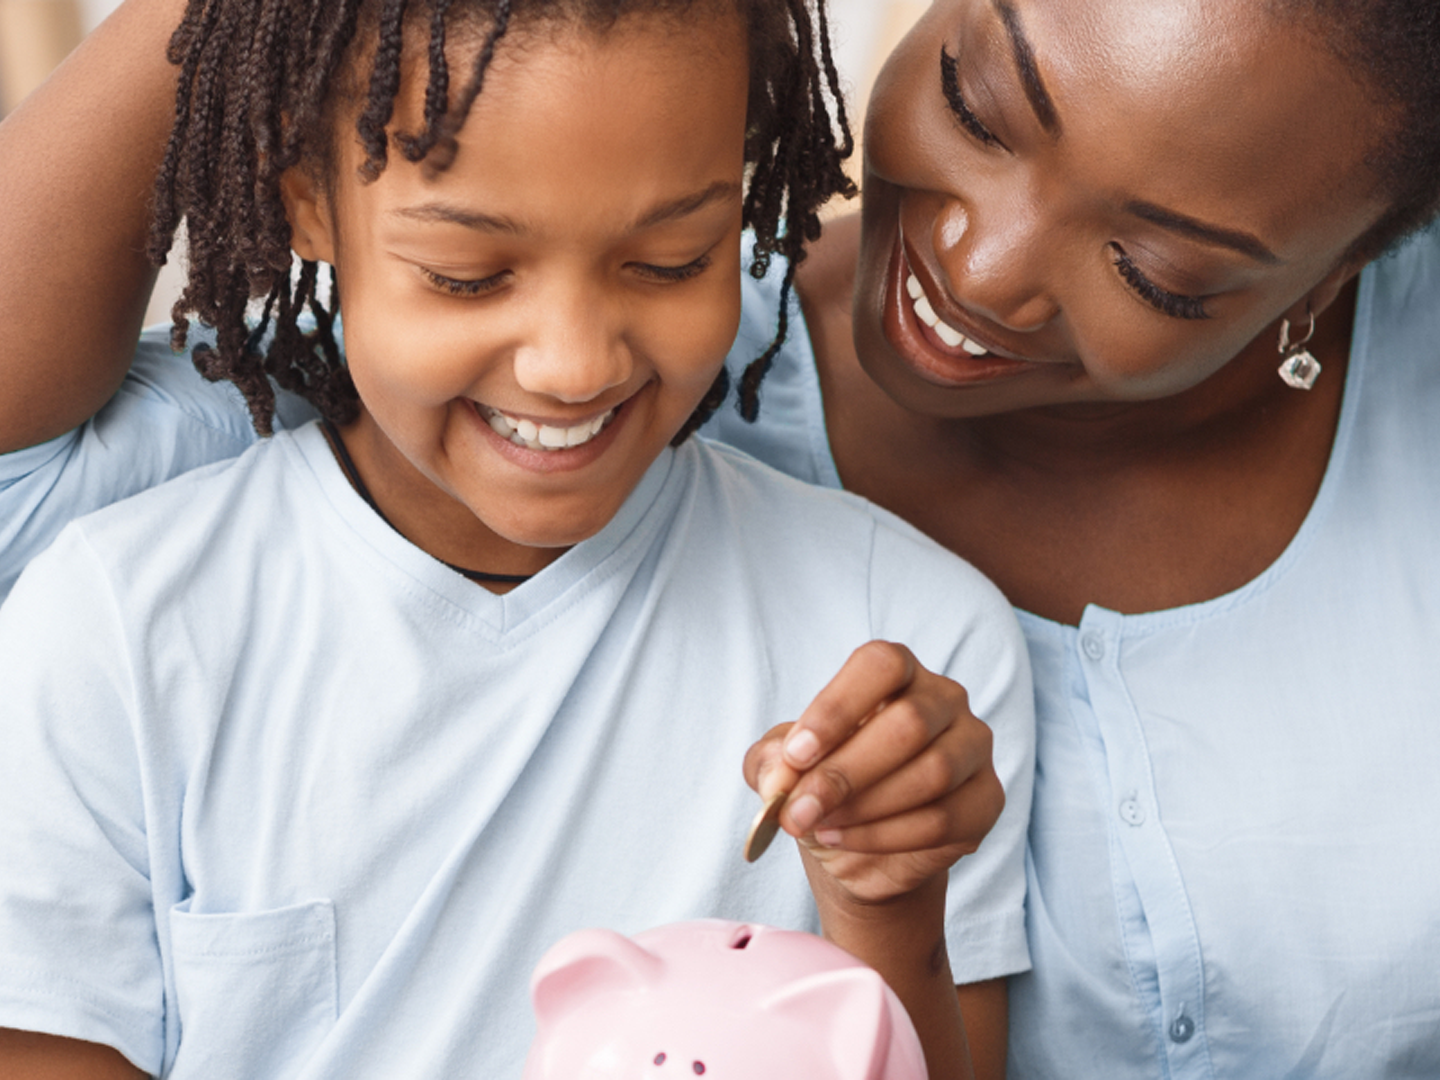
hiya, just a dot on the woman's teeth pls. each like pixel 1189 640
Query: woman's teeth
pixel 535 436
pixel 925 312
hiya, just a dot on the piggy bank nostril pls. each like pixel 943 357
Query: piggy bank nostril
pixel 742 938
pixel 660 1058
pixel 699 1068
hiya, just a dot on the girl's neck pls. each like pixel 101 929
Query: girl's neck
pixel 429 517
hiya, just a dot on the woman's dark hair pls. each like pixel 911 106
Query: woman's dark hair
pixel 259 82
pixel 1394 48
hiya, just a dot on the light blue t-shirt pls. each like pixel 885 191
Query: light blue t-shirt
pixel 1234 865
pixel 284 796
pixel 163 421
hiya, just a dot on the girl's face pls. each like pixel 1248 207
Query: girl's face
pixel 1078 201
pixel 530 328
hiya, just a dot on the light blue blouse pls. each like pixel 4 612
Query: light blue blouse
pixel 1234 855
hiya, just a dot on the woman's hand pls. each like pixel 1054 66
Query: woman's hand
pixel 889 773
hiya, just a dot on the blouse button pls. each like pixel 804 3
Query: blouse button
pixel 1093 645
pixel 1132 813
pixel 1181 1028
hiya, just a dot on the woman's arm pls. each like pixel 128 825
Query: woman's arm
pixel 80 155
pixel 26 1055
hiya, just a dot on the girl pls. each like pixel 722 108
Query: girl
pixel 310 757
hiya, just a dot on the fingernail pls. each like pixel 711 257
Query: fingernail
pixel 805 812
pixel 829 837
pixel 802 747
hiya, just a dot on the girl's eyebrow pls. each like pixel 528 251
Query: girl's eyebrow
pixel 721 190
pixel 1030 80
pixel 454 215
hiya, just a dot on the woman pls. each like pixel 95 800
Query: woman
pixel 1092 233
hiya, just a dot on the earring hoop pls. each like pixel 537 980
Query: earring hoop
pixel 1298 366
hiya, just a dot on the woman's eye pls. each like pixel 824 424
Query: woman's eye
pixel 1176 305
pixel 464 287
pixel 672 274
pixel 950 85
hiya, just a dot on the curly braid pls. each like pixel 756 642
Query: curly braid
pixel 259 85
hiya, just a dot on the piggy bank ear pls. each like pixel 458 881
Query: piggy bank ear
pixel 846 1015
pixel 584 964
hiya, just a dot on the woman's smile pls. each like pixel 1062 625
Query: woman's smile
pixel 934 344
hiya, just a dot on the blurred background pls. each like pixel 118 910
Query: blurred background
pixel 35 35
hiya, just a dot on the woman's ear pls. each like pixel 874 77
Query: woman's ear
pixel 1324 293
pixel 311 224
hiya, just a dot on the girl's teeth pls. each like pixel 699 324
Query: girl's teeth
pixel 543 436
pixel 925 312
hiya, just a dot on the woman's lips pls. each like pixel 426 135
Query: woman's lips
pixel 937 351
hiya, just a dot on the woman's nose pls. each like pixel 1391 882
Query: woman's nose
pixel 995 267
pixel 574 352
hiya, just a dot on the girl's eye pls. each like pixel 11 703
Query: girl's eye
pixel 459 287
pixel 673 274
pixel 950 85
pixel 1175 305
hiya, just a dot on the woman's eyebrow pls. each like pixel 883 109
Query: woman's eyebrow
pixel 1243 242
pixel 1030 80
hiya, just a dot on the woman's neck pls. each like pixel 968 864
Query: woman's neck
pixel 1133 506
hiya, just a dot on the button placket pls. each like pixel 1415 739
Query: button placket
pixel 1171 942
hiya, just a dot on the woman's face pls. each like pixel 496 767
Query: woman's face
pixel 1078 201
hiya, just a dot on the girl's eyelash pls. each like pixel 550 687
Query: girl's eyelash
pixel 1175 305
pixel 670 274
pixel 457 287
pixel 950 85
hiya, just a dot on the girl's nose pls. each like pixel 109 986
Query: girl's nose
pixel 996 267
pixel 573 353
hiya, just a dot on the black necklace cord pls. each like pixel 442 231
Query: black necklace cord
pixel 347 465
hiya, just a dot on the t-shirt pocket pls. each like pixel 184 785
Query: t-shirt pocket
pixel 255 992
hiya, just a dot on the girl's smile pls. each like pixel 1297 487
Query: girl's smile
pixel 530 328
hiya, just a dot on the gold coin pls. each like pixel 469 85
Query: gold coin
pixel 766 825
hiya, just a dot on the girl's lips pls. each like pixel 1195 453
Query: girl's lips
pixel 540 450
pixel 921 345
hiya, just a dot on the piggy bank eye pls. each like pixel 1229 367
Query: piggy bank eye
pixel 660 1058
pixel 699 1067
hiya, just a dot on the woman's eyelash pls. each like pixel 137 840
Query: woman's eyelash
pixel 675 273
pixel 458 287
pixel 950 85
pixel 1175 305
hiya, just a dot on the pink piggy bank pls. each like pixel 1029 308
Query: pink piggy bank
pixel 730 1001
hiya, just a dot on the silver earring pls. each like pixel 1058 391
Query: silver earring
pixel 1298 366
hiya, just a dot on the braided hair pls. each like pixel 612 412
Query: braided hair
pixel 259 84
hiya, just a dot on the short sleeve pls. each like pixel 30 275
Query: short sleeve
pixel 958 623
pixel 78 949
pixel 163 421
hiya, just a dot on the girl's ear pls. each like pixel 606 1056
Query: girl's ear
pixel 311 225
